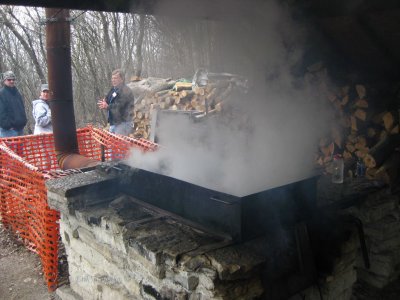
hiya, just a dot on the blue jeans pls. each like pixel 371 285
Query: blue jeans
pixel 10 132
pixel 124 128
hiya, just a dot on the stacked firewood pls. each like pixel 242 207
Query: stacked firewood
pixel 362 136
pixel 184 96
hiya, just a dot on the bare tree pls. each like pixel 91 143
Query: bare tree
pixel 24 36
pixel 139 47
pixel 101 42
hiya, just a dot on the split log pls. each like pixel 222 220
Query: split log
pixel 347 155
pixel 328 150
pixel 345 100
pixel 157 84
pixel 361 103
pixel 148 86
pixel 135 78
pixel 199 91
pixel 186 95
pixel 361 143
pixel 361 91
pixel 381 151
pixel 179 86
pixel 361 153
pixel 161 93
pixel 388 121
pixel 360 114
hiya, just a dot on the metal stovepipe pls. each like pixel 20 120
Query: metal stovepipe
pixel 58 36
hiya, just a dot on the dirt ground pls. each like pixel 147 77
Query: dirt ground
pixel 21 275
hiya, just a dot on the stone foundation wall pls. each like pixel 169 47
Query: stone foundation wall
pixel 120 250
pixel 380 214
pixel 111 256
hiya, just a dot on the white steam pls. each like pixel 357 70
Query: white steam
pixel 266 137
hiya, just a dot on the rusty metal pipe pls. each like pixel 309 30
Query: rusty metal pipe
pixel 58 48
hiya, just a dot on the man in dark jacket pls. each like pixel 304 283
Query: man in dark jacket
pixel 12 109
pixel 119 103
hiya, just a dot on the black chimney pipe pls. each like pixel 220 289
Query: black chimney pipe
pixel 60 84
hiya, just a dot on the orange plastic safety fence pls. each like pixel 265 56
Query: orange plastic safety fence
pixel 26 162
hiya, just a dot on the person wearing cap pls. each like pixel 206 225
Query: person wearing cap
pixel 41 112
pixel 119 103
pixel 12 110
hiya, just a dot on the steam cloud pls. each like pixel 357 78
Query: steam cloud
pixel 269 136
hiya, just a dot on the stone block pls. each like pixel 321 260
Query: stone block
pixel 187 280
pixel 238 261
pixel 81 284
pixel 66 293
pixel 386 229
pixel 339 283
pixel 78 265
pixel 101 284
pixel 190 263
pixel 90 257
pixel 59 203
pixel 207 278
pixel 342 295
pixel 104 225
pixel 385 246
pixel 155 257
pixel 378 213
pixel 373 279
pixel 137 263
pixel 110 253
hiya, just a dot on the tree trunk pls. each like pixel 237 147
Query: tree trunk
pixel 25 44
pixel 139 45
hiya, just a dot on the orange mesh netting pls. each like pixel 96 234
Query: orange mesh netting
pixel 26 162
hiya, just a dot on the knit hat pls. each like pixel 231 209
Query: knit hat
pixel 44 87
pixel 8 75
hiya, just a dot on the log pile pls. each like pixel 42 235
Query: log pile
pixel 184 96
pixel 361 135
pixel 360 132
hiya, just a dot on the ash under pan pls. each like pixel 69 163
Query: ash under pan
pixel 240 218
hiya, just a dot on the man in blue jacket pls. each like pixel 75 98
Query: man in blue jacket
pixel 12 110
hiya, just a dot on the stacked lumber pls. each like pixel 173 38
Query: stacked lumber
pixel 360 134
pixel 184 96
